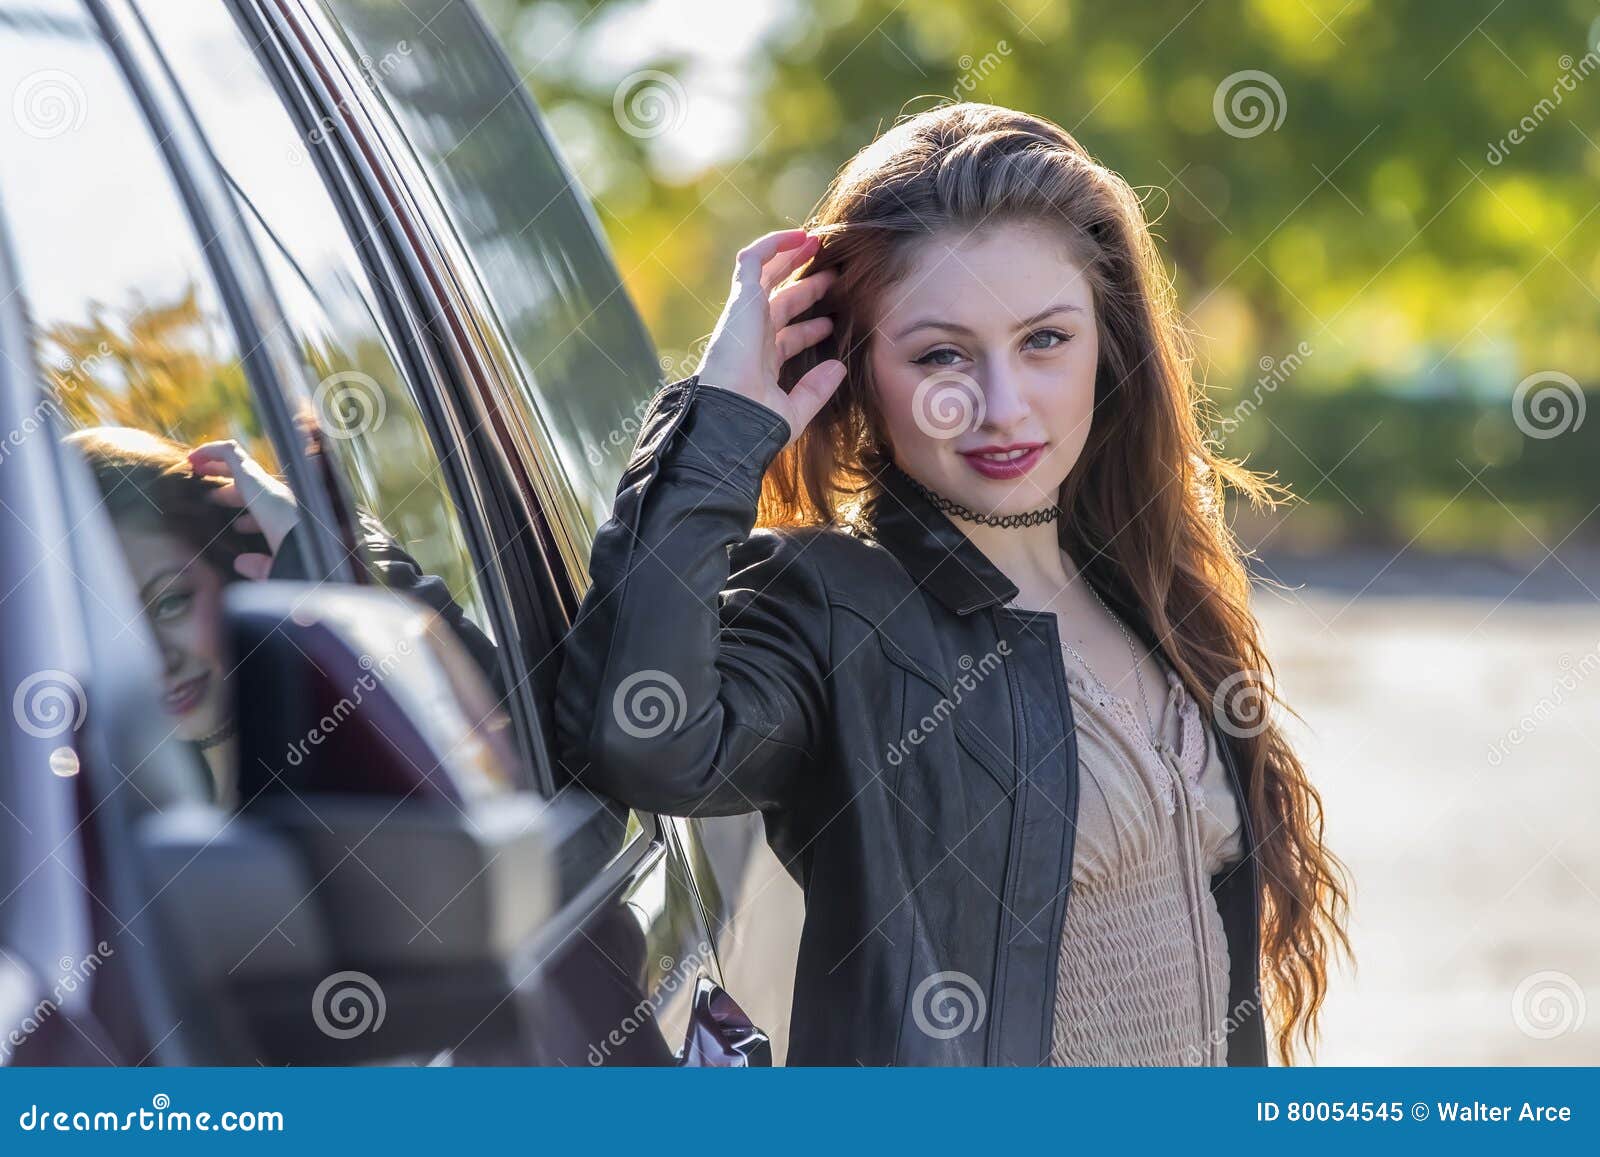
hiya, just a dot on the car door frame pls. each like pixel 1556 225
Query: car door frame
pixel 63 628
pixel 378 181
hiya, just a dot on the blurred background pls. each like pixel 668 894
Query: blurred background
pixel 1382 220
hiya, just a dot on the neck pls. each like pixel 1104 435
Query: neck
pixel 1026 548
pixel 1029 556
pixel 222 762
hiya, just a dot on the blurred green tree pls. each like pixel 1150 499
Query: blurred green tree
pixel 1403 193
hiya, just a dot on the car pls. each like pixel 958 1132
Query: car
pixel 333 242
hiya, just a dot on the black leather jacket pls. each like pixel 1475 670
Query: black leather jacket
pixel 907 737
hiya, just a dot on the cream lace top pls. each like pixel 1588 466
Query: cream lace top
pixel 1143 973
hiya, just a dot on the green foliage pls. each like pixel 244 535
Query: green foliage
pixel 1424 216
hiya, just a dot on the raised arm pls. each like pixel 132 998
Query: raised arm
pixel 692 680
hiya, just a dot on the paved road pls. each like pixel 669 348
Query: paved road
pixel 1477 905
pixel 1457 746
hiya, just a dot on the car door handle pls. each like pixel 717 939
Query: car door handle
pixel 720 1035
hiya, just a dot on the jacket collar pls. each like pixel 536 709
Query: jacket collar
pixel 940 559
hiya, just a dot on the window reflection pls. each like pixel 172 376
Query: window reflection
pixel 372 427
pixel 583 352
pixel 130 329
pixel 141 363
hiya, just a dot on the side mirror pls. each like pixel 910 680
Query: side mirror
pixel 357 690
pixel 375 892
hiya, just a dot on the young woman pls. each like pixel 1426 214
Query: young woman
pixel 191 521
pixel 988 666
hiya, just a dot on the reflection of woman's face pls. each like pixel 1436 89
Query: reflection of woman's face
pixel 182 597
pixel 984 357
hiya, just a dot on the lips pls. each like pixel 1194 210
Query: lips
pixel 1009 461
pixel 185 697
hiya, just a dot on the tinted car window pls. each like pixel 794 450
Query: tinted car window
pixel 145 378
pixel 365 407
pixel 585 358
pixel 139 359
pixel 129 326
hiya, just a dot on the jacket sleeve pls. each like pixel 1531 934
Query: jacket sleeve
pixel 692 679
pixel 383 561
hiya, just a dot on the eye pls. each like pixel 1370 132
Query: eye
pixel 943 356
pixel 1044 339
pixel 171 605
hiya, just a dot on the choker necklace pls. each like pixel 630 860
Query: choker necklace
pixel 220 736
pixel 1026 518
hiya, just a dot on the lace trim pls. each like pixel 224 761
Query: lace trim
pixel 1129 717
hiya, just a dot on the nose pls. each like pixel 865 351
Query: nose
pixel 171 656
pixel 1005 406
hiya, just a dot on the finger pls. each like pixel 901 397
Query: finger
pixel 801 336
pixel 754 256
pixel 227 494
pixel 777 270
pixel 216 458
pixel 248 523
pixel 813 390
pixel 791 301
pixel 254 567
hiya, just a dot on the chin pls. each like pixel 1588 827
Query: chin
pixel 201 722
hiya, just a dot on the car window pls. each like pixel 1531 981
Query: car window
pixel 144 375
pixel 586 360
pixel 366 407
pixel 139 359
pixel 129 325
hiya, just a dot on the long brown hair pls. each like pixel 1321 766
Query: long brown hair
pixel 1143 511
pixel 147 483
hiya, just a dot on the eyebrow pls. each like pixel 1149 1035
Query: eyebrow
pixel 155 582
pixel 956 327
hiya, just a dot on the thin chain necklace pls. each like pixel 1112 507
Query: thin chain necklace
pixel 218 737
pixel 1010 521
pixel 1155 739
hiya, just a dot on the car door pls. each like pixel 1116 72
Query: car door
pixel 191 312
pixel 536 273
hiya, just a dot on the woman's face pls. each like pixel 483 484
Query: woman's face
pixel 182 597
pixel 984 359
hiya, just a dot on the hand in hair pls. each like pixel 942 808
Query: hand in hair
pixel 269 505
pixel 754 336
